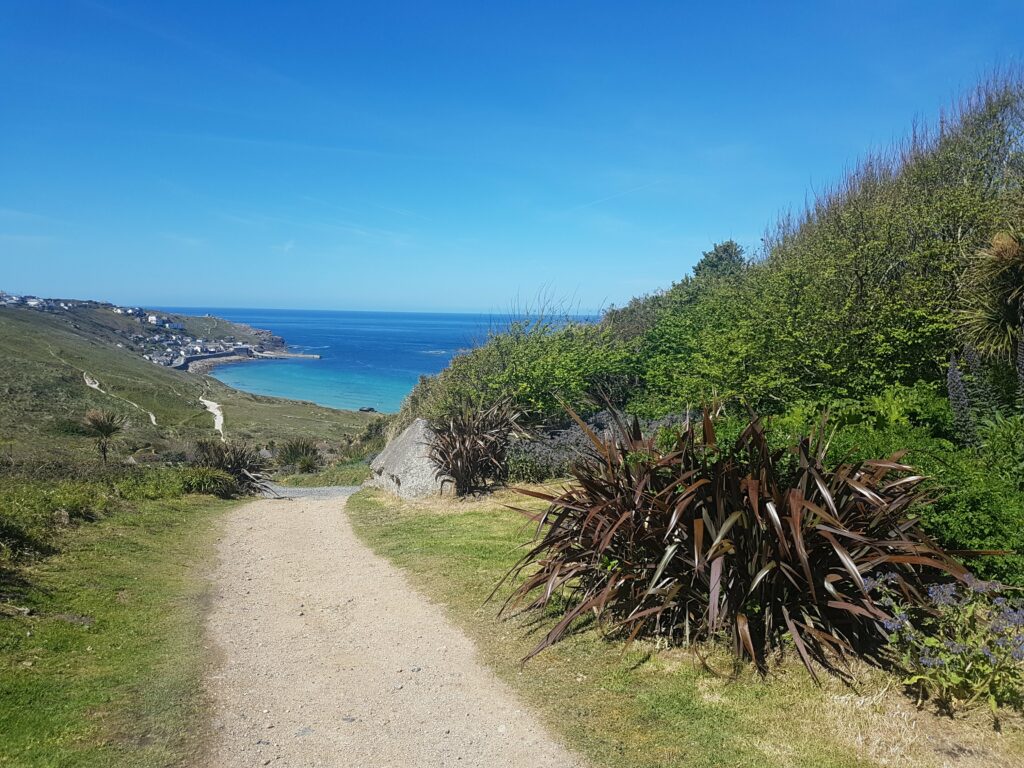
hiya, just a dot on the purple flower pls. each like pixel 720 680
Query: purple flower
pixel 895 623
pixel 927 660
pixel 942 594
pixel 879 581
pixel 981 587
pixel 1017 654
pixel 1008 620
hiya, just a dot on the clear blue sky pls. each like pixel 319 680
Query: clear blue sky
pixel 440 156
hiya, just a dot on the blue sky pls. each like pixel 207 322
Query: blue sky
pixel 441 156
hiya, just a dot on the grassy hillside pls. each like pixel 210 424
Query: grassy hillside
pixel 43 392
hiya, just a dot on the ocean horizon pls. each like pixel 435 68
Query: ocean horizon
pixel 367 359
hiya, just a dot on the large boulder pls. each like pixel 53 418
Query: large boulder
pixel 404 467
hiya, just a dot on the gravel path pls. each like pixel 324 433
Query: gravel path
pixel 325 656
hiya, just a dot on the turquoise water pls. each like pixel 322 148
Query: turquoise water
pixel 368 359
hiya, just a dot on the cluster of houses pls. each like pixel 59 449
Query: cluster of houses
pixel 145 317
pixel 161 339
pixel 34 302
pixel 177 350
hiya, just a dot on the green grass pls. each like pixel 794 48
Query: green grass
pixel 342 473
pixel 106 669
pixel 646 708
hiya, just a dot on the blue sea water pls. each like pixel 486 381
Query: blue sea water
pixel 368 359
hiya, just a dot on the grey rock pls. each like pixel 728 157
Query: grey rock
pixel 404 467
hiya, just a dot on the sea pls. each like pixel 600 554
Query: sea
pixel 367 359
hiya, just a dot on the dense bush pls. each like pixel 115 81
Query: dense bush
pixel 1002 446
pixel 214 482
pixel 859 293
pixel 537 363
pixel 301 453
pixel 242 462
pixel 550 454
pixel 697 540
pixel 890 293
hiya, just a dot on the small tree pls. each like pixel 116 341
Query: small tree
pixel 723 260
pixel 104 426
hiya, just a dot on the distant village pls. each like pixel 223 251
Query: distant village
pixel 160 339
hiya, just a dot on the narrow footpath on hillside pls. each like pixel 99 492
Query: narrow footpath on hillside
pixel 92 383
pixel 218 416
pixel 323 655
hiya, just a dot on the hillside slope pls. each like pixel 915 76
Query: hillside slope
pixel 47 361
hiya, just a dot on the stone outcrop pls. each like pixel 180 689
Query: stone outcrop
pixel 404 467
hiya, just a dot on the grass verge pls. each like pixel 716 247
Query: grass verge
pixel 650 707
pixel 106 668
pixel 342 473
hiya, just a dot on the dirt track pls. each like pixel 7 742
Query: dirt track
pixel 324 656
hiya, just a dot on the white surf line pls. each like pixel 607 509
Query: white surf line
pixel 94 384
pixel 218 416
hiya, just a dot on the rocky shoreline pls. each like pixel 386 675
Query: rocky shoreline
pixel 207 365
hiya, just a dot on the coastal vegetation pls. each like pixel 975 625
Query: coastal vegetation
pixel 814 451
pixel 890 302
pixel 300 453
pixel 104 426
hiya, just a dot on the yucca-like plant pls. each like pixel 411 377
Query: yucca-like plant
pixel 470 447
pixel 992 316
pixel 242 462
pixel 694 541
pixel 104 426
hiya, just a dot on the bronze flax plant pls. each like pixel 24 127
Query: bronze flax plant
pixel 469 448
pixel 697 542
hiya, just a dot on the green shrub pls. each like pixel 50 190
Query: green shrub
pixel 525 467
pixel 242 462
pixel 301 453
pixel 1002 446
pixel 150 484
pixel 214 482
pixel 307 464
